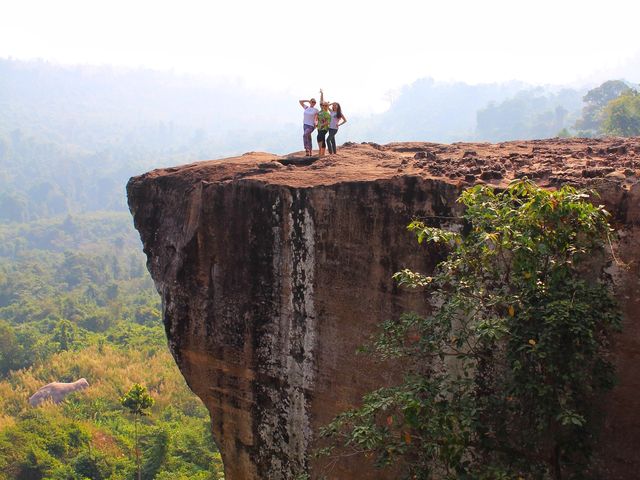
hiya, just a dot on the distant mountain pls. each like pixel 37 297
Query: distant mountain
pixel 70 137
pixel 101 107
pixel 437 111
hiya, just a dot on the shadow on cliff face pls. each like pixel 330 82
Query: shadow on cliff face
pixel 272 277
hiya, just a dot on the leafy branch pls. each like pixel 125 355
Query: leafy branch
pixel 502 379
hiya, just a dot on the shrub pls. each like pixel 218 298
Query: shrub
pixel 502 378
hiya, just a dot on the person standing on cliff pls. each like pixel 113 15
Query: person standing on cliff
pixel 337 119
pixel 324 119
pixel 310 120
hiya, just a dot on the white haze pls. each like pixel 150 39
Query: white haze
pixel 361 52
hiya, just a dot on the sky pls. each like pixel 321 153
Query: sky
pixel 359 52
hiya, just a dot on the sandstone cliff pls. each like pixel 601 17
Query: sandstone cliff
pixel 272 273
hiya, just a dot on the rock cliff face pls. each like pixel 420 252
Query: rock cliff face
pixel 272 273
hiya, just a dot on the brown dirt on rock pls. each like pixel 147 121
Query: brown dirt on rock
pixel 549 163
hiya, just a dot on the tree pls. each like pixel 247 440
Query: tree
pixel 93 465
pixel 65 334
pixel 501 378
pixel 13 207
pixel 621 116
pixel 20 348
pixel 533 113
pixel 8 348
pixel 596 100
pixel 138 402
pixel 156 452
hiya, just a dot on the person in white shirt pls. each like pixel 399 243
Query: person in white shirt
pixel 337 119
pixel 310 120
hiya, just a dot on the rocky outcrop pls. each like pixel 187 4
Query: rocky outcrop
pixel 274 270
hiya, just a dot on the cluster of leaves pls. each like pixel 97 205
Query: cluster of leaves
pixel 43 447
pixel 612 108
pixel 502 377
pixel 76 301
pixel 622 115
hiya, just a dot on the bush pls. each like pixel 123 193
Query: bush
pixel 621 116
pixel 92 465
pixel 502 378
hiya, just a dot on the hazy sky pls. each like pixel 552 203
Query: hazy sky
pixel 357 51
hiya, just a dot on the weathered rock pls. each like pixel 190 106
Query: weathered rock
pixel 596 172
pixel 426 155
pixel 270 280
pixel 491 175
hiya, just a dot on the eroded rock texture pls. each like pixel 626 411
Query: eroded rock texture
pixel 272 275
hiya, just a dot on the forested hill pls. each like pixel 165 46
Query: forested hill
pixel 70 137
pixel 76 301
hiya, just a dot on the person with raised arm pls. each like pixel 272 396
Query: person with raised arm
pixel 310 120
pixel 324 119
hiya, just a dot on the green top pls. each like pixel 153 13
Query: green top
pixel 324 118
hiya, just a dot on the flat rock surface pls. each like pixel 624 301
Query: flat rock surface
pixel 549 162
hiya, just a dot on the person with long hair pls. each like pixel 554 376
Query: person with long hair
pixel 337 119
pixel 310 120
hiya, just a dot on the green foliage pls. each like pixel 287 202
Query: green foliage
pixel 155 452
pixel 596 99
pixel 54 299
pixel 501 379
pixel 64 334
pixel 137 400
pixel 76 301
pixel 606 92
pixel 21 347
pixel 38 447
pixel 93 465
pixel 621 116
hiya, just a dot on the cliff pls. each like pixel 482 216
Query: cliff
pixel 273 272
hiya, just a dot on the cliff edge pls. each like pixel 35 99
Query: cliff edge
pixel 272 272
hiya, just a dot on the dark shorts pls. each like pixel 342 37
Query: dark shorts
pixel 321 135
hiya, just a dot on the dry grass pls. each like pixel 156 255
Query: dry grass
pixel 110 373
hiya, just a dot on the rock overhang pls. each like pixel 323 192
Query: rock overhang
pixel 271 276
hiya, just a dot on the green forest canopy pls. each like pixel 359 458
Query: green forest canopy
pixel 76 301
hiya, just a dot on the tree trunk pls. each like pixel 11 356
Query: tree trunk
pixel 135 423
pixel 557 468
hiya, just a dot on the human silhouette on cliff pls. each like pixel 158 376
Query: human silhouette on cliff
pixel 310 120
pixel 337 119
pixel 327 120
pixel 324 119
